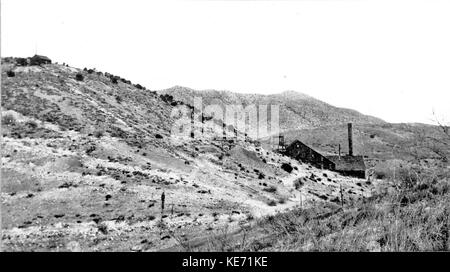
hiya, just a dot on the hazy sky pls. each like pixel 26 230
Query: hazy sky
pixel 390 59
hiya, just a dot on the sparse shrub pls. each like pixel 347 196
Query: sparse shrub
pixel 166 98
pixel 408 177
pixel 404 201
pixel 335 200
pixel 298 183
pixel 103 228
pixel 261 176
pixel 31 124
pixel 287 167
pixel 8 120
pixel 272 203
pixel 158 136
pixel 423 186
pixel 79 77
pixel 380 174
pixel 440 188
pixel 10 73
pixel 270 189
pixel 250 217
pixel 98 133
pixel 118 99
pixel 324 197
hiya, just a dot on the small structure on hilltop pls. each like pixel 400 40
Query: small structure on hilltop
pixel 22 61
pixel 39 60
pixel 348 165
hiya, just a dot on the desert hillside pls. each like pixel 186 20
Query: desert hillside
pixel 87 155
pixel 297 110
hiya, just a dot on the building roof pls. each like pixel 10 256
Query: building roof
pixel 348 163
pixel 296 145
pixel 40 57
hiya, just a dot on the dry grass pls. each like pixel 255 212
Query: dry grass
pixel 415 217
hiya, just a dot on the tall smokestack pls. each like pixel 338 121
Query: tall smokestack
pixel 350 140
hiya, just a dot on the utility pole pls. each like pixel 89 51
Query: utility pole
pixel 192 123
pixel 163 198
pixel 203 123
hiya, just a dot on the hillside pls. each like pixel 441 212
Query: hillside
pixel 86 156
pixel 297 110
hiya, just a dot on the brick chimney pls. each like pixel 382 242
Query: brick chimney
pixel 350 140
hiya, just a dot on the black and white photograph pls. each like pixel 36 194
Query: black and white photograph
pixel 236 126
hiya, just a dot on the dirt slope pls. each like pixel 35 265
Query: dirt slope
pixel 84 164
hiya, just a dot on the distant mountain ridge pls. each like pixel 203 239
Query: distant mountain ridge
pixel 297 110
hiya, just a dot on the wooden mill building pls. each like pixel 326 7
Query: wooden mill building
pixel 304 153
pixel 348 165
